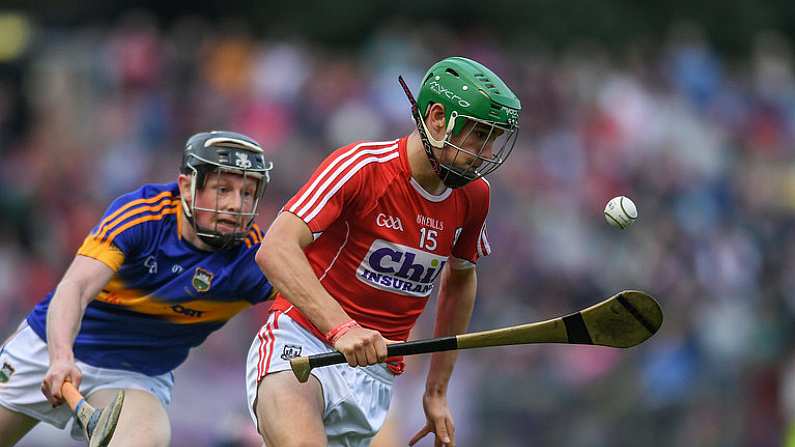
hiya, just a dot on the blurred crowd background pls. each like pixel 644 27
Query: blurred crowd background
pixel 695 121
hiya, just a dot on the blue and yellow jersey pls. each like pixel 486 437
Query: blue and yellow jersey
pixel 166 295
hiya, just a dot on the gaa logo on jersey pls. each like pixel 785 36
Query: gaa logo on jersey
pixel 400 269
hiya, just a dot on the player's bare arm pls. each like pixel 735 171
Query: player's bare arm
pixel 457 292
pixel 282 259
pixel 84 278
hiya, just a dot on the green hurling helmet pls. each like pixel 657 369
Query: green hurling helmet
pixel 482 116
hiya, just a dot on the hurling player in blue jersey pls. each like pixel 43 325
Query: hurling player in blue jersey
pixel 167 265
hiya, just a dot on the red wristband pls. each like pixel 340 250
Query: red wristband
pixel 336 332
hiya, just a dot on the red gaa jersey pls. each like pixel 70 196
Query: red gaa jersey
pixel 381 240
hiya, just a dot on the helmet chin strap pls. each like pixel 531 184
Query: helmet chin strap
pixel 218 242
pixel 448 176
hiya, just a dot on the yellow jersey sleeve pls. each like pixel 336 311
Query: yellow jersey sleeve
pixel 105 252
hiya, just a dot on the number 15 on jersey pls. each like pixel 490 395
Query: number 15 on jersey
pixel 428 239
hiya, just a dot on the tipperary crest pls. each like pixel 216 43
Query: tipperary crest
pixel 202 279
pixel 5 373
pixel 291 352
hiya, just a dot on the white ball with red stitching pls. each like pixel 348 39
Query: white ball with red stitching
pixel 621 212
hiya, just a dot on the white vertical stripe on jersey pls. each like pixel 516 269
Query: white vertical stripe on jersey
pixel 486 244
pixel 344 179
pixel 483 239
pixel 333 177
pixel 331 165
pixel 479 245
pixel 484 249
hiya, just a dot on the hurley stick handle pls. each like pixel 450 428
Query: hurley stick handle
pixel 71 395
pixel 301 366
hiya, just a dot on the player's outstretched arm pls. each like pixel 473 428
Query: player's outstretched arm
pixel 456 301
pixel 79 286
pixel 281 257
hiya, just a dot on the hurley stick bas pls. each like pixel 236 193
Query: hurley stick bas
pixel 97 423
pixel 624 320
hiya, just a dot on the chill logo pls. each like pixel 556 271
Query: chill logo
pixel 400 269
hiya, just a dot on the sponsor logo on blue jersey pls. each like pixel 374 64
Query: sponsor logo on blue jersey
pixel 180 309
pixel 400 269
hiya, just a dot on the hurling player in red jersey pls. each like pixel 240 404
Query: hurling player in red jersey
pixel 355 255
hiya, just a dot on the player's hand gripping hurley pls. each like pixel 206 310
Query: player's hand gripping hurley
pixel 624 320
pixel 98 423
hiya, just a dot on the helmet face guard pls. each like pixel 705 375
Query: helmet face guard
pixel 482 116
pixel 208 157
pixel 478 150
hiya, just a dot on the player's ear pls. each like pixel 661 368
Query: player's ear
pixel 435 120
pixel 184 186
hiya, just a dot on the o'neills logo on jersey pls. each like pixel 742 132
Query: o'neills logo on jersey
pixel 400 269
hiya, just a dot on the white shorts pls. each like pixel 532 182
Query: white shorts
pixel 355 400
pixel 24 362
